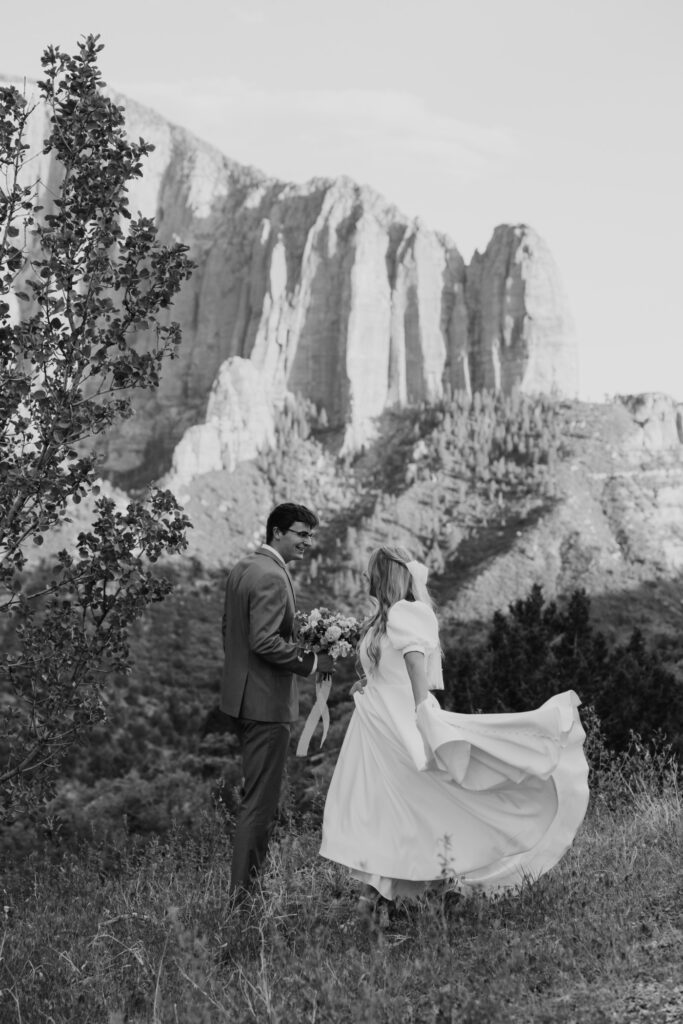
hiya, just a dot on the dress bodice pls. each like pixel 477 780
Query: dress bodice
pixel 411 626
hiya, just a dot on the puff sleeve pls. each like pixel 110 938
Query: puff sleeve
pixel 412 626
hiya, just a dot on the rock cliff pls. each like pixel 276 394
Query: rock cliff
pixel 614 528
pixel 520 333
pixel 610 523
pixel 329 292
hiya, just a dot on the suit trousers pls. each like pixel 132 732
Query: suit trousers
pixel 264 748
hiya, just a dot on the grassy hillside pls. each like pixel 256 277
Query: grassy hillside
pixel 152 937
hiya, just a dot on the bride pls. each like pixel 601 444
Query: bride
pixel 422 796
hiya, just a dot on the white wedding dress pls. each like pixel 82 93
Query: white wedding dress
pixel 419 796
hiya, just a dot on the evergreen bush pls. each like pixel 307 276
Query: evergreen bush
pixel 540 648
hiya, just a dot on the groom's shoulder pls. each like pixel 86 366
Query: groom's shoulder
pixel 256 563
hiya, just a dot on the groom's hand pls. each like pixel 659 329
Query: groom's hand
pixel 325 664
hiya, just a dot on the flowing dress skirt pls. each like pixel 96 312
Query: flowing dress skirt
pixel 486 801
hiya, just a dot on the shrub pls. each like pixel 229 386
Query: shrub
pixel 539 648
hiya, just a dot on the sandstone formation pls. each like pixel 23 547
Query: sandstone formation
pixel 616 524
pixel 331 293
pixel 239 424
pixel 519 332
pixel 659 418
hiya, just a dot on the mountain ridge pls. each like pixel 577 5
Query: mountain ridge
pixel 331 294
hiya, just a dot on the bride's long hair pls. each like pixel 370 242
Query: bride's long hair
pixel 390 581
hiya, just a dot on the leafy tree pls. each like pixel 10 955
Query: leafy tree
pixel 538 649
pixel 84 290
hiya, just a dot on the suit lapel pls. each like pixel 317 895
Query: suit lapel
pixel 291 585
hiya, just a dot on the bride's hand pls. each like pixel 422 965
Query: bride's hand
pixel 358 687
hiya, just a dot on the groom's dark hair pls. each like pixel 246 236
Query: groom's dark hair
pixel 283 516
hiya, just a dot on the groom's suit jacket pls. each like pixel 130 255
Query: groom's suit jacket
pixel 261 656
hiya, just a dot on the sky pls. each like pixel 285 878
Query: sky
pixel 566 116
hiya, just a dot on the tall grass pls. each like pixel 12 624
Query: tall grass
pixel 155 938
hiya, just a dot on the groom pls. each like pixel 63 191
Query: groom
pixel 259 691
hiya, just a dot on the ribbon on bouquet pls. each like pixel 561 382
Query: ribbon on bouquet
pixel 319 711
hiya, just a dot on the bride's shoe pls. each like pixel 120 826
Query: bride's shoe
pixel 373 911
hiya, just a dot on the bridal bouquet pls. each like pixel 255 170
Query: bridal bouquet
pixel 324 631
pixel 328 632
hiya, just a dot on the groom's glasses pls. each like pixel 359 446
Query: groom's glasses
pixel 301 533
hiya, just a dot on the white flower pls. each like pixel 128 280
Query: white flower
pixel 333 633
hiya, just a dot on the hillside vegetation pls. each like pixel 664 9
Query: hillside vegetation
pixel 433 477
pixel 151 936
